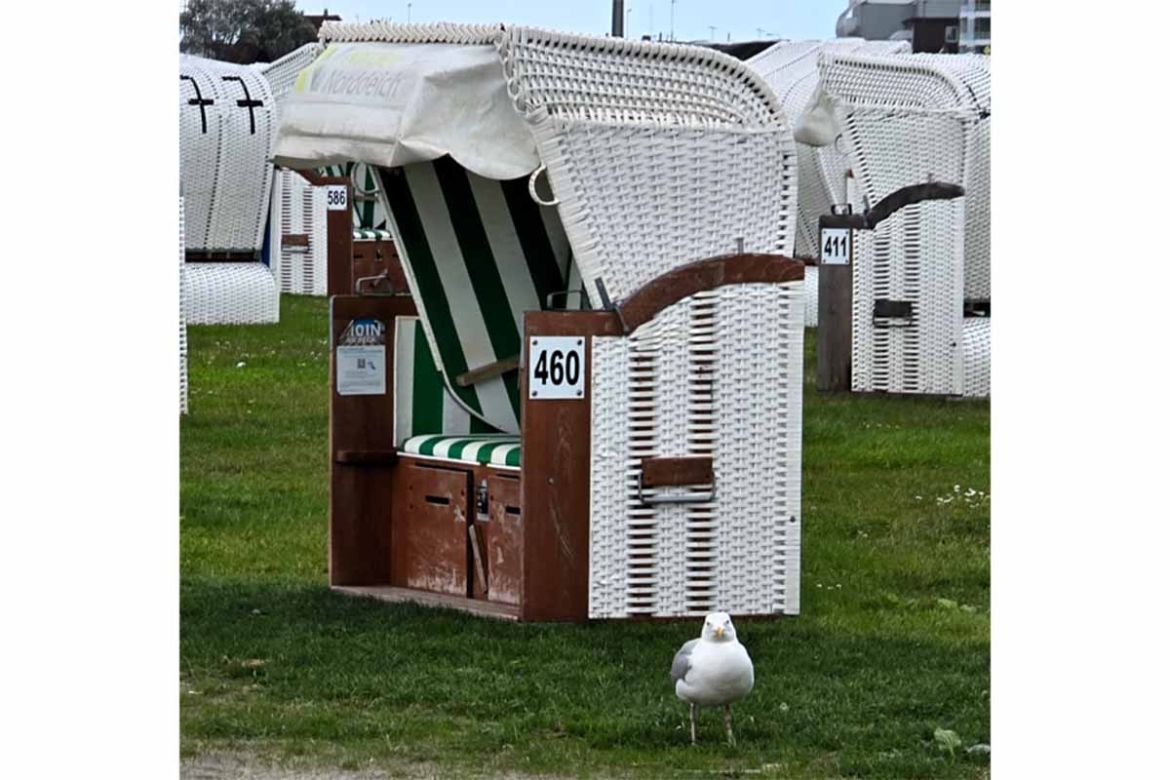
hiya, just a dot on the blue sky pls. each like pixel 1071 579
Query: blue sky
pixel 693 19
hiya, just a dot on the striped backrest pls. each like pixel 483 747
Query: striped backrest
pixel 422 404
pixel 478 253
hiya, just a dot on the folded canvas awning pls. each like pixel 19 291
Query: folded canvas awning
pixel 392 104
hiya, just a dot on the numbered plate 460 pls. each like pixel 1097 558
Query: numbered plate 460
pixel 556 367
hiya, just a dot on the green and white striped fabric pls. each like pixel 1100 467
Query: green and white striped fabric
pixel 497 450
pixel 478 253
pixel 422 404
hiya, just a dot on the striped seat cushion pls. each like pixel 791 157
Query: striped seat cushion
pixel 478 253
pixel 495 450
pixel 369 234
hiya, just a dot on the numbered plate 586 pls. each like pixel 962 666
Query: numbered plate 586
pixel 336 197
pixel 556 367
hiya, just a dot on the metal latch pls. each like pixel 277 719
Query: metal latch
pixel 481 501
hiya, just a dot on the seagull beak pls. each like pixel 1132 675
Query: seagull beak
pixel 718 632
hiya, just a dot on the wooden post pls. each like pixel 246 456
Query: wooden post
pixel 361 452
pixel 835 302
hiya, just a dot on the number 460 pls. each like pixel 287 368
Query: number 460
pixel 558 368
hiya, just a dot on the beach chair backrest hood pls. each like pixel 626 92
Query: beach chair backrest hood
pixel 519 163
pixel 227 123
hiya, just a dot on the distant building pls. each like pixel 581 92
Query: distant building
pixel 929 25
pixel 975 26
pixel 318 19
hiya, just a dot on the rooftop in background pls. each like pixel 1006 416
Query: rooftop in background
pixel 318 19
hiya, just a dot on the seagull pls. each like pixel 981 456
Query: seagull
pixel 713 671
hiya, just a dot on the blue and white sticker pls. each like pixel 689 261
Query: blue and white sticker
pixel 363 332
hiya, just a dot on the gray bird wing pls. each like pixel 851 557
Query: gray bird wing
pixel 682 661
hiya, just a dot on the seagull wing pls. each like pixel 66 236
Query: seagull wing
pixel 682 661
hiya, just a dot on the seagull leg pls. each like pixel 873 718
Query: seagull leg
pixel 727 724
pixel 694 715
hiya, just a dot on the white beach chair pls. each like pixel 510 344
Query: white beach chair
pixel 632 181
pixel 226 130
pixel 908 121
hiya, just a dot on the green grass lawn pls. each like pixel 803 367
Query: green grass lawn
pixel 892 643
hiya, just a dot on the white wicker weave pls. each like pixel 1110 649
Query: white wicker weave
pixel 977 356
pixel 225 149
pixel 182 315
pixel 282 73
pixel 298 208
pixel 655 152
pixel 231 293
pixel 790 68
pixel 910 120
pixel 717 374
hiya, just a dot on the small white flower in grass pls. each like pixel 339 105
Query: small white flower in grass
pixel 957 488
pixel 947 740
pixel 783 706
pixel 241 364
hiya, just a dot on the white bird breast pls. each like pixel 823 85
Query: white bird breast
pixel 721 673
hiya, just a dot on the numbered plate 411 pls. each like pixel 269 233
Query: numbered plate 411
pixel 836 245
pixel 556 367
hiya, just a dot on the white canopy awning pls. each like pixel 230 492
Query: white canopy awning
pixel 392 104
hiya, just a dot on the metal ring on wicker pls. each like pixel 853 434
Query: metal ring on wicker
pixel 532 188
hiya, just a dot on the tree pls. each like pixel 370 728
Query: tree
pixel 243 31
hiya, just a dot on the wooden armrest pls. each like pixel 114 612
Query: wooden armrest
pixel 709 274
pixel 488 371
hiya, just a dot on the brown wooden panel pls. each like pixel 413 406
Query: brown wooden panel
pixel 835 328
pixel 430 550
pixel 708 274
pixel 554 485
pixel 360 492
pixel 374 258
pixel 659 472
pixel 339 262
pixel 295 239
pixel 503 537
